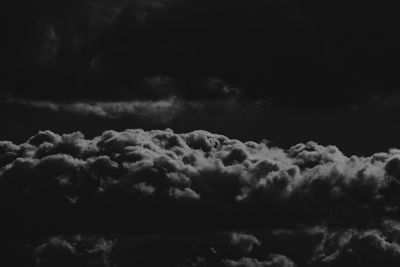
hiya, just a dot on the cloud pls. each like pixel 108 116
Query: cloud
pixel 275 261
pixel 161 111
pixel 240 203
pixel 206 180
pixel 101 49
pixel 243 242
pixel 278 247
pixel 122 250
pixel 73 251
pixel 370 247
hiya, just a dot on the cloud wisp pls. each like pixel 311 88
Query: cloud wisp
pixel 160 111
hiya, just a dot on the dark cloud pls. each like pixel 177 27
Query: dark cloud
pixel 234 116
pixel 166 250
pixel 157 112
pixel 73 251
pixel 371 247
pixel 295 52
pixel 279 247
pixel 136 179
pixel 197 199
pixel 275 261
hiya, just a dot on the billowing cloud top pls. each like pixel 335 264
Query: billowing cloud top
pixel 147 198
pixel 161 180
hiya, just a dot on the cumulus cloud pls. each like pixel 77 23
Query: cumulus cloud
pixel 166 250
pixel 208 170
pixel 243 242
pixel 322 208
pixel 284 247
pixel 160 172
pixel 354 247
pixel 75 250
pixel 275 261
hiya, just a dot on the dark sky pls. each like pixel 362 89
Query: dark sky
pixel 199 133
pixel 286 71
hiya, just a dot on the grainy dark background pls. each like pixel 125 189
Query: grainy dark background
pixel 259 79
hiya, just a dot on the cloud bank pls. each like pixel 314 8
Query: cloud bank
pixel 204 178
pixel 281 247
pixel 137 191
